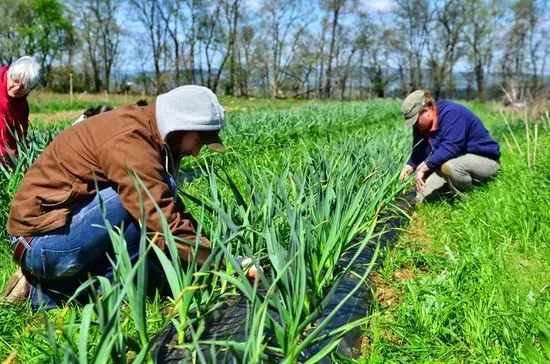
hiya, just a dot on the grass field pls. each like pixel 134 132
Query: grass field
pixel 467 281
pixel 50 107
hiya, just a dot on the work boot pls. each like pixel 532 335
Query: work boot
pixel 17 289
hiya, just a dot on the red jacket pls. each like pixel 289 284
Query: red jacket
pixel 14 116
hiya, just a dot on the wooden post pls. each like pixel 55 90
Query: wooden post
pixel 71 87
pixel 126 96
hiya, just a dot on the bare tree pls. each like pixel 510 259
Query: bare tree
pixel 383 40
pixel 230 9
pixel 196 10
pixel 211 37
pixel 443 52
pixel 247 67
pixel 537 43
pixel 109 31
pixel 261 50
pixel 268 47
pixel 217 36
pixel 171 13
pixel 349 43
pixel 335 8
pixel 101 36
pixel 232 14
pixel 305 63
pixel 321 55
pixel 149 15
pixel 479 34
pixel 91 45
pixel 514 63
pixel 285 22
pixel 412 20
pixel 143 79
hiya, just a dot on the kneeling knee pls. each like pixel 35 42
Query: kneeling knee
pixel 447 170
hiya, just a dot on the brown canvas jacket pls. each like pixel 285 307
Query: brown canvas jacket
pixel 109 145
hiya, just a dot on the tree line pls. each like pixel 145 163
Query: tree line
pixel 333 49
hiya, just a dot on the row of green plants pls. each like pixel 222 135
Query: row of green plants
pixel 293 191
pixel 469 282
pixel 44 102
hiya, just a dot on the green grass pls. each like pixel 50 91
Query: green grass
pixel 46 102
pixel 295 187
pixel 47 107
pixel 470 279
pixel 467 281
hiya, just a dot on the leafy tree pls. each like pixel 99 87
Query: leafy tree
pixel 15 15
pixel 48 35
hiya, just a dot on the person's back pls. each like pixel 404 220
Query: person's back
pixel 456 122
pixel 86 177
pixel 64 171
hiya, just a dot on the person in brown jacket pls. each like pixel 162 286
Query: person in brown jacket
pixel 55 214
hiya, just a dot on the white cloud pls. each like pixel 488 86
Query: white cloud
pixel 383 6
pixel 254 4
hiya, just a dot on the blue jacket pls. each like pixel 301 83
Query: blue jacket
pixel 458 131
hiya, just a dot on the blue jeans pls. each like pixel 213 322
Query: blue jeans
pixel 57 262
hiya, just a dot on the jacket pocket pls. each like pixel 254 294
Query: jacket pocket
pixel 61 199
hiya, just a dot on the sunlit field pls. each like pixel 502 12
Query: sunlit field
pixel 467 279
pixel 51 107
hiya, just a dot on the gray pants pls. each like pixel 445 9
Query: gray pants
pixel 458 175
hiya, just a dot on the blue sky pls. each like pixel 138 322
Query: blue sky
pixel 131 62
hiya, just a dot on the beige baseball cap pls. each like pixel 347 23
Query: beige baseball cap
pixel 411 107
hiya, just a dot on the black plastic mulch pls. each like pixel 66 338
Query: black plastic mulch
pixel 229 321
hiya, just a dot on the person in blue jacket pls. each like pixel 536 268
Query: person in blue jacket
pixel 451 150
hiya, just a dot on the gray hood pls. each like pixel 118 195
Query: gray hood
pixel 189 108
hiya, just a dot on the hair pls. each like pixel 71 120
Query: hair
pixel 428 100
pixel 27 70
pixel 142 102
pixel 94 110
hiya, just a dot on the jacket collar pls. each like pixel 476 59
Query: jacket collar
pixel 151 115
pixel 169 163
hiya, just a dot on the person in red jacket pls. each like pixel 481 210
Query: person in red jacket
pixel 16 81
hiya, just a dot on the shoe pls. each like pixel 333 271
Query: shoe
pixel 17 288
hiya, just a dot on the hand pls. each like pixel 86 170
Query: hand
pixel 251 270
pixel 186 249
pixel 420 180
pixel 422 172
pixel 407 170
pixel 204 242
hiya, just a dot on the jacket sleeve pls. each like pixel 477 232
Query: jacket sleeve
pixel 136 152
pixel 419 148
pixel 453 140
pixel 25 120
